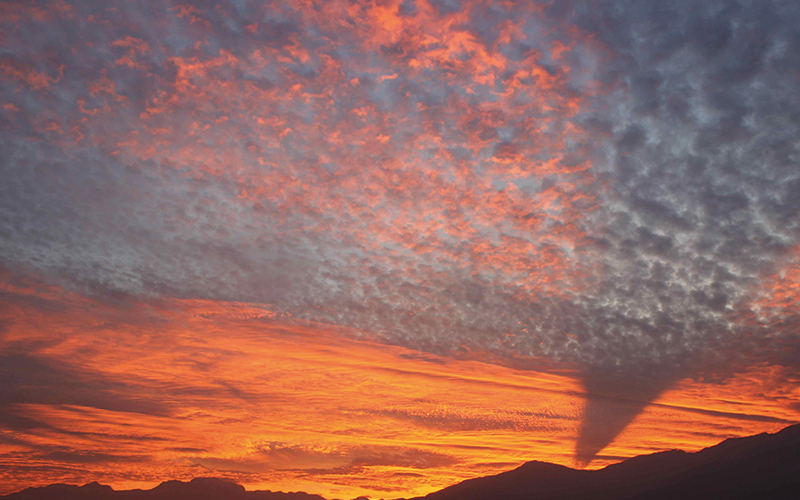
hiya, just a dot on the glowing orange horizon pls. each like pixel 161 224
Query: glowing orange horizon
pixel 205 388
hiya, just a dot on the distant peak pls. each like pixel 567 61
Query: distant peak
pixel 94 485
pixel 206 483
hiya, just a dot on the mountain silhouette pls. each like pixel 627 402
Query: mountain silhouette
pixel 765 466
pixel 197 489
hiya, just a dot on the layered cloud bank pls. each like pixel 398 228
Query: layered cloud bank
pixel 605 189
pixel 185 388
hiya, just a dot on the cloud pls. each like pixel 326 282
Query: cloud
pixel 278 456
pixel 610 187
pixel 452 419
pixel 695 167
pixel 32 380
pixel 199 387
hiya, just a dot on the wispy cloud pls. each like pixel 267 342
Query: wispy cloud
pixel 182 388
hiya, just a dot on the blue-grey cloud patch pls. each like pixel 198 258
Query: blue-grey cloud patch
pixel 38 380
pixel 278 456
pixel 698 168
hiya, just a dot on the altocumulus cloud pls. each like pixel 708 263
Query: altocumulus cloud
pixel 609 185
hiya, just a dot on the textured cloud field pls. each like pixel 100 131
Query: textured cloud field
pixel 604 192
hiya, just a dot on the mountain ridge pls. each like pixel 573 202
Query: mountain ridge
pixel 760 466
pixel 200 488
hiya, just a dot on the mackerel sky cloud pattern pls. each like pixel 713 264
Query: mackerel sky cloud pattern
pixel 390 167
pixel 606 188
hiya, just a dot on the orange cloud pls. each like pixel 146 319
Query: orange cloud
pixel 136 393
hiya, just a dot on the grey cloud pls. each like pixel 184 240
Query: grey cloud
pixel 276 456
pixel 35 380
pixel 696 179
pixel 521 421
pixel 79 457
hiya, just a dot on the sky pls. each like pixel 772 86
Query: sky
pixel 376 248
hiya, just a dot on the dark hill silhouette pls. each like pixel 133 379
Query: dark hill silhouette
pixel 765 466
pixel 196 489
pixel 756 467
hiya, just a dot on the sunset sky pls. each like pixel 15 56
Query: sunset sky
pixel 377 248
